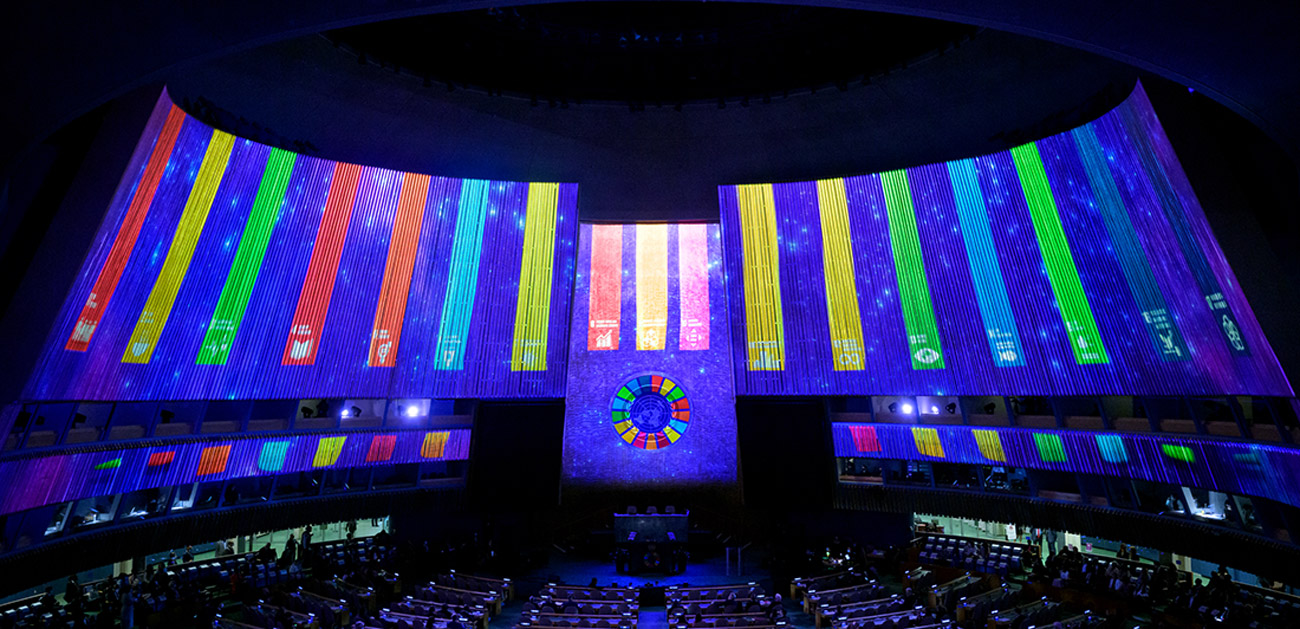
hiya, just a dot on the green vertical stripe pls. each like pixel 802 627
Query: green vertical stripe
pixel 248 259
pixel 1085 339
pixel 913 291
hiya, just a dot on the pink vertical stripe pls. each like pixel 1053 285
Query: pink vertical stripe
pixel 603 316
pixel 693 280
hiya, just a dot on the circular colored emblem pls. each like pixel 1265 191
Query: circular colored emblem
pixel 650 411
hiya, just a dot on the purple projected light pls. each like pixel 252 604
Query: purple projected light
pixel 1080 264
pixel 227 269
pixel 649 400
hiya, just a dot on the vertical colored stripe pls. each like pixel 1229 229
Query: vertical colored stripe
pixel 162 297
pixel 693 286
pixel 158 459
pixel 764 321
pixel 1178 453
pixel 314 297
pixel 927 442
pixel 841 278
pixel 990 289
pixel 1160 324
pixel 381 448
pixel 271 458
pixel 1182 228
pixel 606 291
pixel 213 459
pixel 1050 447
pixel 865 438
pixel 923 343
pixel 328 450
pixel 229 312
pixel 402 247
pixel 434 446
pixel 1112 448
pixel 1080 325
pixel 124 242
pixel 462 277
pixel 651 286
pixel 990 445
pixel 533 310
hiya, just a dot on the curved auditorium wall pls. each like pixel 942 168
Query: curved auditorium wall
pixel 225 268
pixel 1078 264
pixel 1250 469
pixel 47 478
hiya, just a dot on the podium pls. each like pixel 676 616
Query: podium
pixel 651 542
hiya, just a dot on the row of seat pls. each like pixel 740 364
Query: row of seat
pixel 564 592
pixel 476 583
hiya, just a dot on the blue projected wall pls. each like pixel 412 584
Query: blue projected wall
pixel 1078 264
pixel 1250 469
pixel 649 400
pixel 225 268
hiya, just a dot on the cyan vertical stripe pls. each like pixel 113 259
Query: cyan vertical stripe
pixel 990 289
pixel 1160 325
pixel 462 278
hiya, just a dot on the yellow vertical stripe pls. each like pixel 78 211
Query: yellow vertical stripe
pixel 927 442
pixel 841 278
pixel 435 444
pixel 533 310
pixel 163 296
pixel 764 324
pixel 328 450
pixel 651 285
pixel 990 445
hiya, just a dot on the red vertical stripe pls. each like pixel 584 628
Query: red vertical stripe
pixel 397 272
pixel 864 438
pixel 127 233
pixel 693 285
pixel 318 286
pixel 161 458
pixel 606 286
pixel 381 448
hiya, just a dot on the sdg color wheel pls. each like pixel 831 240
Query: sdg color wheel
pixel 650 411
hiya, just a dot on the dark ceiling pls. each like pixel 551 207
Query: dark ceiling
pixel 643 53
pixel 60 63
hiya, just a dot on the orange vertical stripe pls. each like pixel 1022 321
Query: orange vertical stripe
pixel 402 248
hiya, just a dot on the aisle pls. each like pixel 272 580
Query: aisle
pixel 652 618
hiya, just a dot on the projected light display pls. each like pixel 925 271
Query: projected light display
pixel 649 400
pixel 650 412
pixel 1078 264
pixel 225 268
pixel 1236 467
pixel 55 478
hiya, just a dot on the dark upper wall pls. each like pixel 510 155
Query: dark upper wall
pixel 66 62
pixel 659 164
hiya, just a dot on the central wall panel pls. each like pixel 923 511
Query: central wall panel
pixel 649 402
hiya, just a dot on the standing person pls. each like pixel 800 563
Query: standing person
pixel 290 550
pixel 306 538
pixel 189 554
pixel 127 597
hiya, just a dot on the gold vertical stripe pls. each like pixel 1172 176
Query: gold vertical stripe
pixel 532 311
pixel 847 348
pixel 651 286
pixel 163 296
pixel 764 323
pixel 990 445
pixel 927 442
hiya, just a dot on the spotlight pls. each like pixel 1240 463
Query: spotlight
pixel 906 408
pixel 934 410
pixel 356 411
pixel 990 408
pixel 167 416
pixel 951 408
pixel 893 407
pixel 412 411
pixel 307 412
pixel 345 414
